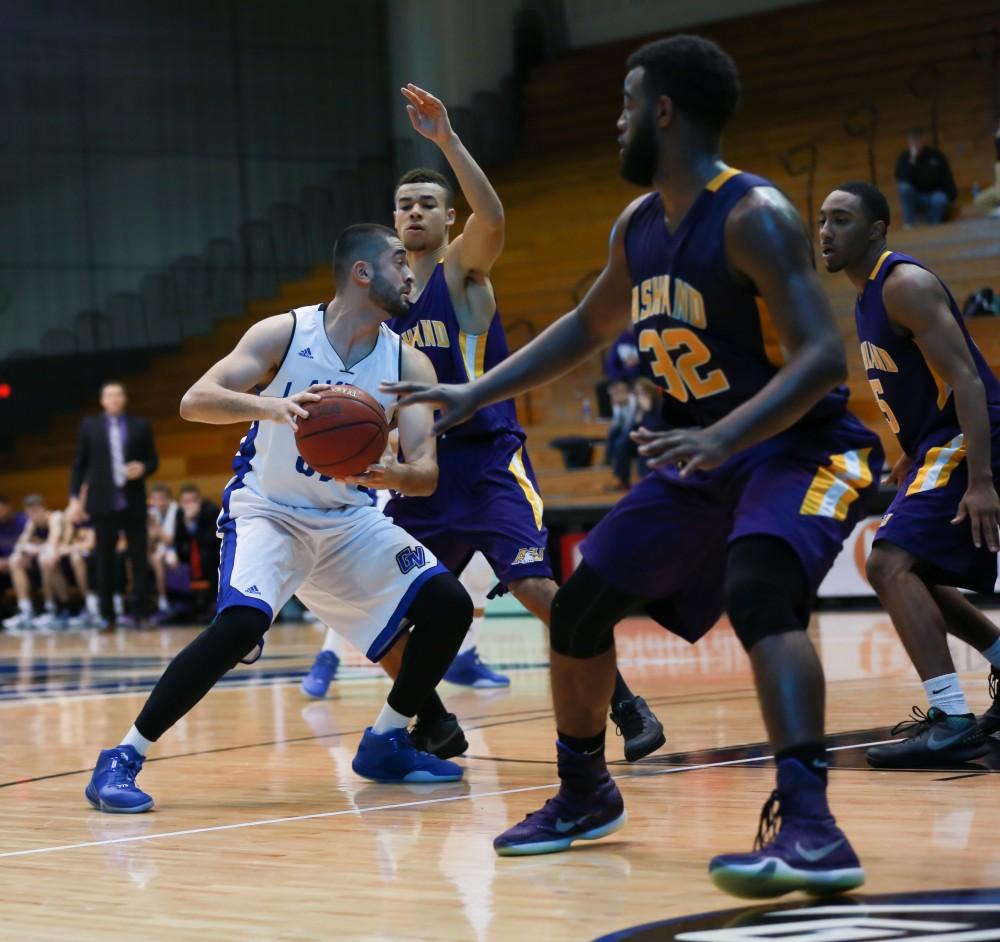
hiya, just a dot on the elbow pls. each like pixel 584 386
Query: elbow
pixel 187 407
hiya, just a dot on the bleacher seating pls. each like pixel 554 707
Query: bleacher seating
pixel 562 192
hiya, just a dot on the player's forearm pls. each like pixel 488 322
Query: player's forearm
pixel 801 383
pixel 556 350
pixel 416 479
pixel 974 420
pixel 475 185
pixel 215 405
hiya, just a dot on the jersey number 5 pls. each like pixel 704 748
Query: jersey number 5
pixel 680 372
pixel 876 386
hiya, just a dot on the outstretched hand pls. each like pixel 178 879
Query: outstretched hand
pixel 428 114
pixel 981 507
pixel 455 402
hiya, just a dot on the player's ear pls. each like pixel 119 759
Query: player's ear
pixel 878 229
pixel 664 111
pixel 449 216
pixel 361 271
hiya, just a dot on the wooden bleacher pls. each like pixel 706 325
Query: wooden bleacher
pixel 803 68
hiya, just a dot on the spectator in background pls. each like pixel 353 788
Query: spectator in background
pixel 650 414
pixel 114 455
pixel 11 525
pixel 621 363
pixel 925 181
pixel 619 449
pixel 988 200
pixel 162 525
pixel 35 557
pixel 75 551
pixel 196 540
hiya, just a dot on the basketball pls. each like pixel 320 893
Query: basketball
pixel 345 433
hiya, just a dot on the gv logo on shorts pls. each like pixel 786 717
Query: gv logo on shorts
pixel 411 558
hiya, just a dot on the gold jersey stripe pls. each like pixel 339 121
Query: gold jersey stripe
pixel 938 465
pixel 516 467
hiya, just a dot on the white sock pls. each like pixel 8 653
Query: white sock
pixel 390 719
pixel 945 693
pixel 163 604
pixel 992 653
pixel 93 604
pixel 50 608
pixel 119 605
pixel 330 641
pixel 137 741
pixel 469 642
pixel 25 607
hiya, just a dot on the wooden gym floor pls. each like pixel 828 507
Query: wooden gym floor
pixel 261 830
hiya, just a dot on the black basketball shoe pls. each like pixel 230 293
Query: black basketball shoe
pixel 442 737
pixel 642 731
pixel 989 722
pixel 933 739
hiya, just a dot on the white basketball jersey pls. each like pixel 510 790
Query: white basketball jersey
pixel 268 461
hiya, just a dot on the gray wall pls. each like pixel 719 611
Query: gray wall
pixel 135 132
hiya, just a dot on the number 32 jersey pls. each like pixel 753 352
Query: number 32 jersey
pixel 704 336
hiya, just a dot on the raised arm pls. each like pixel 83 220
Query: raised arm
pixel 417 474
pixel 916 302
pixel 481 241
pixel 592 325
pixel 766 243
pixel 222 396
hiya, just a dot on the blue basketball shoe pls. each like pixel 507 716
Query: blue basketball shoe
pixel 317 681
pixel 112 787
pixel 392 757
pixel 587 806
pixel 467 670
pixel 806 851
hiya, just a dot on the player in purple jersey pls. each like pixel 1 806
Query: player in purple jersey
pixel 942 401
pixel 487 497
pixel 749 504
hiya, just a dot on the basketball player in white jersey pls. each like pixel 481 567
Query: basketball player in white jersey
pixel 288 530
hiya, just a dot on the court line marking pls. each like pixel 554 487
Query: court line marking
pixel 391 807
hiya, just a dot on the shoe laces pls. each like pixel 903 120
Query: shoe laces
pixel 628 720
pixel 914 725
pixel 770 821
pixel 124 770
pixel 994 679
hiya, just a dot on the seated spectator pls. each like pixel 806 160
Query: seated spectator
pixel 75 552
pixel 35 558
pixel 196 543
pixel 988 200
pixel 621 363
pixel 619 449
pixel 11 525
pixel 162 524
pixel 926 185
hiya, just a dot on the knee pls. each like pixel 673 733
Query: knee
pixel 536 595
pixel 884 566
pixel 939 198
pixel 905 188
pixel 576 630
pixel 443 604
pixel 235 632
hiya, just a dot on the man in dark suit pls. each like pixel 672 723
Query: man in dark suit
pixel 114 455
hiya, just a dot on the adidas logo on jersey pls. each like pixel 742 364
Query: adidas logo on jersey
pixel 530 554
pixel 253 590
pixel 307 353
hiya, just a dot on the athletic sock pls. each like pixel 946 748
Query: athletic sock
pixel 50 608
pixel 119 605
pixel 945 693
pixel 389 719
pixel 25 607
pixel 137 741
pixel 472 635
pixel 93 605
pixel 992 653
pixel 162 604
pixel 811 754
pixel 330 641
pixel 584 745
pixel 622 691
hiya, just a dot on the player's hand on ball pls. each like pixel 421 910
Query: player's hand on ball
pixel 456 402
pixel 691 449
pixel 294 407
pixel 383 475
pixel 981 507
pixel 428 114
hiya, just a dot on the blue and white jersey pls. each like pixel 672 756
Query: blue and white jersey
pixel 268 462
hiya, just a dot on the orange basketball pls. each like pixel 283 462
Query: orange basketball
pixel 345 433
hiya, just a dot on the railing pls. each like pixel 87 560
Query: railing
pixel 801 161
pixel 862 122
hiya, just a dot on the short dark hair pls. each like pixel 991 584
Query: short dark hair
pixel 160 488
pixel 426 175
pixel 698 75
pixel 112 382
pixel 365 241
pixel 873 200
pixel 34 500
pixel 189 489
